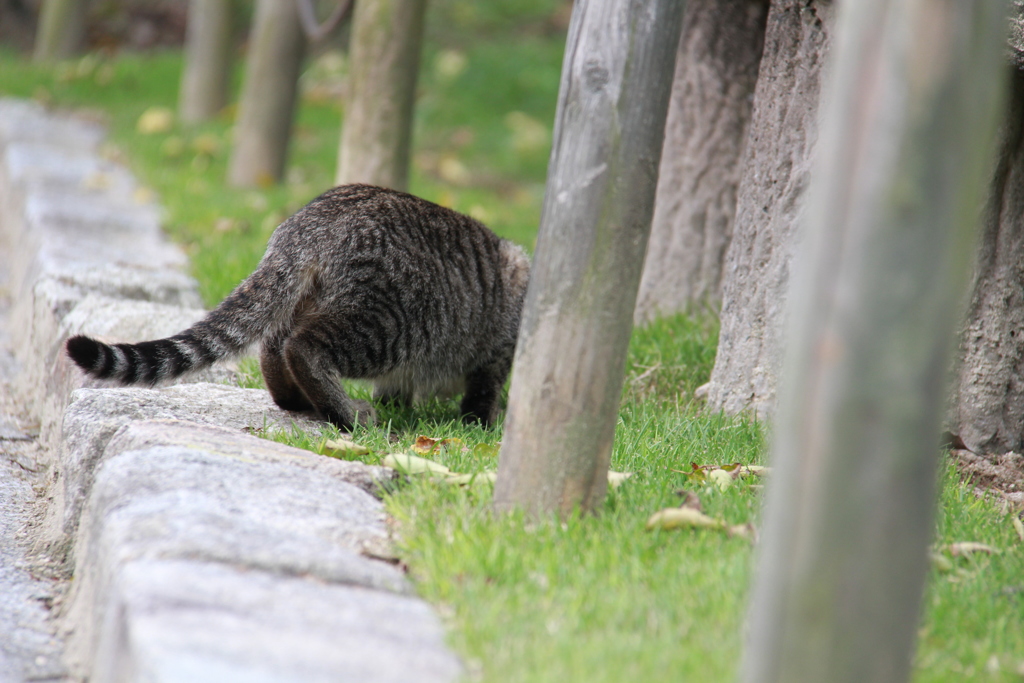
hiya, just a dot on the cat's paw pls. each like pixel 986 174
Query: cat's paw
pixel 365 413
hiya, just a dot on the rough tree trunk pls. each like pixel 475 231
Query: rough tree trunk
pixel 267 106
pixel 61 30
pixel 563 404
pixel 988 398
pixel 903 162
pixel 775 171
pixel 376 136
pixel 716 70
pixel 204 80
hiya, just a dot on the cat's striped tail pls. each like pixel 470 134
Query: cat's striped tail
pixel 253 311
pixel 149 362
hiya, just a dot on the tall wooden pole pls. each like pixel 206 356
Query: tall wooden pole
pixel 376 137
pixel 61 29
pixel 564 399
pixel 902 166
pixel 204 80
pixel 269 92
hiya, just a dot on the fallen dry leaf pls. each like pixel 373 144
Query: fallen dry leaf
pixel 746 531
pixel 720 478
pixel 337 447
pixel 485 450
pixel 411 464
pixel 675 518
pixel 688 517
pixel 1018 526
pixel 155 120
pixel 207 144
pixel 701 473
pixel 425 445
pixel 415 465
pixel 964 548
pixel 940 562
pixel 615 479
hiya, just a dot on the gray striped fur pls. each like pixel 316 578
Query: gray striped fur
pixel 362 283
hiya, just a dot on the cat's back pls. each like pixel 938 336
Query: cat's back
pixel 356 223
pixel 364 235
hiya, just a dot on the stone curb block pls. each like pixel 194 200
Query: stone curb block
pixel 232 444
pixel 47 368
pixel 200 553
pixel 75 233
pixel 95 415
pixel 192 622
pixel 170 502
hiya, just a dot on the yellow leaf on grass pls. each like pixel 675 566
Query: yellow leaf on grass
pixel 970 547
pixel 720 478
pixel 688 517
pixel 722 475
pixel 207 144
pixel 411 464
pixel 615 479
pixel 155 120
pixel 485 450
pixel 675 518
pixel 1018 526
pixel 425 445
pixel 940 562
pixel 746 531
pixel 335 446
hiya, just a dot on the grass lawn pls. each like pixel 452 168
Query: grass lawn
pixel 597 598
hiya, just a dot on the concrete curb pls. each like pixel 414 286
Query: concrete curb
pixel 199 552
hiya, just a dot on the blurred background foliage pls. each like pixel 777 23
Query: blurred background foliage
pixel 484 112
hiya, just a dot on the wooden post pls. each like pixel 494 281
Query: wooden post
pixel 267 106
pixel 902 165
pixel 61 29
pixel 204 80
pixel 563 404
pixel 385 56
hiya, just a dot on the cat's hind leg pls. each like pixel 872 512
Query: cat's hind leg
pixel 481 402
pixel 316 364
pixel 278 378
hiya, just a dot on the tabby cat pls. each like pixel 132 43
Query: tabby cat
pixel 362 283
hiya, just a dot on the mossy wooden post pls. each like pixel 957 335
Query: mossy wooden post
pixel 568 373
pixel 901 170
pixel 267 106
pixel 376 135
pixel 61 30
pixel 204 80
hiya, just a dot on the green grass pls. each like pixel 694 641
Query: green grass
pixel 973 627
pixel 595 598
pixel 482 132
pixel 598 598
